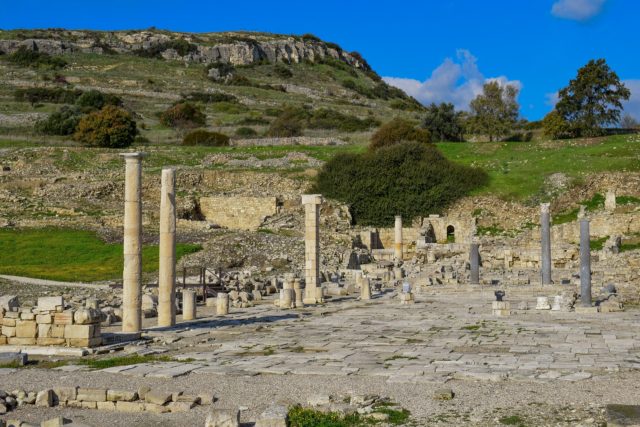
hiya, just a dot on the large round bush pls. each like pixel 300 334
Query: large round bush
pixel 111 127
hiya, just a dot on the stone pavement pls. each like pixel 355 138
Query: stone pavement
pixel 444 336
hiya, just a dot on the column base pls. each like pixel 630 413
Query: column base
pixel 309 301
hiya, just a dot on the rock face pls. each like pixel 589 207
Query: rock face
pixel 227 49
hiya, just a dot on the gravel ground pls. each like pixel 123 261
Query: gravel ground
pixel 476 403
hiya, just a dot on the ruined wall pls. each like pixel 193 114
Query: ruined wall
pixel 238 213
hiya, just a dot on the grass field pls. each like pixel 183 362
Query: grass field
pixel 517 170
pixel 69 255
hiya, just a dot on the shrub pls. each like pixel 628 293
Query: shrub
pixel 96 100
pixel 63 122
pixel 289 123
pixel 325 118
pixel 54 95
pixel 246 132
pixel 32 58
pixel 209 97
pixel 308 37
pixel 111 127
pixel 396 131
pixel 283 71
pixel 183 115
pixel 410 179
pixel 203 137
pixel 555 126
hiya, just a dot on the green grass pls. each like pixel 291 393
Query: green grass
pixel 592 205
pixel 69 255
pixel 512 420
pixel 132 359
pixel 305 417
pixel 517 170
pixel 597 244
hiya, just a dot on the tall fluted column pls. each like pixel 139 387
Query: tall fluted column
pixel 585 263
pixel 132 271
pixel 397 248
pixel 167 271
pixel 545 240
pixel 311 204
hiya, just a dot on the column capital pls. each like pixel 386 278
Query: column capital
pixel 544 207
pixel 133 156
pixel 312 199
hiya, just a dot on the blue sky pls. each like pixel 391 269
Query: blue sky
pixel 437 50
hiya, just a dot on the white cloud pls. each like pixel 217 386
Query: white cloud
pixel 578 10
pixel 457 81
pixel 552 98
pixel 632 106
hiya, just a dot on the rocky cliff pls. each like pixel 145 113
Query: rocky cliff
pixel 231 48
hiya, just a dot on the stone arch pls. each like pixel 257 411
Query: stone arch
pixel 451 233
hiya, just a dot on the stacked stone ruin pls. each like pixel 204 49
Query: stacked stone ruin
pixel 49 323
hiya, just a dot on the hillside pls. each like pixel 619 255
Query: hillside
pixel 251 76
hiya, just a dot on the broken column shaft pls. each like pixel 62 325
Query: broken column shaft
pixel 167 270
pixel 474 263
pixel 397 248
pixel 585 263
pixel 132 269
pixel 545 240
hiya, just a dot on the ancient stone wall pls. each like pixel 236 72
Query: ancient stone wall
pixel 238 213
pixel 49 324
pixel 296 140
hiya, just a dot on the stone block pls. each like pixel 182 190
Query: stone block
pixel 21 341
pixel 623 415
pixel 50 303
pixel 206 398
pixel 92 394
pixel 20 359
pixel 63 318
pixel 50 341
pixel 142 391
pixel 273 416
pixel 79 331
pixel 443 394
pixel 157 409
pixel 54 422
pixel 158 397
pixel 26 329
pixel 45 398
pixel 9 331
pixel 6 321
pixel 106 406
pixel 3 340
pixel 89 405
pixel 180 406
pixel 223 418
pixel 86 316
pixel 189 398
pixel 27 315
pixel 123 395
pixel 129 406
pixel 9 302
pixel 44 318
pixel 63 394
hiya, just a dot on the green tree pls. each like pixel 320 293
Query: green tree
pixel 183 115
pixel 555 126
pixel 111 127
pixel 443 122
pixel 593 99
pixel 495 111
pixel 410 179
pixel 396 131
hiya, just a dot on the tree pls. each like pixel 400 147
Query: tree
pixel 183 115
pixel 410 179
pixel 555 126
pixel 397 131
pixel 629 122
pixel 443 122
pixel 495 111
pixel 593 99
pixel 111 127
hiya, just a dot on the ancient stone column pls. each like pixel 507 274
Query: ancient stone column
pixel 188 304
pixel 474 262
pixel 610 200
pixel 222 304
pixel 167 271
pixel 585 263
pixel 397 247
pixel 311 204
pixel 298 291
pixel 358 277
pixel 365 290
pixel 545 227
pixel 286 298
pixel 132 269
